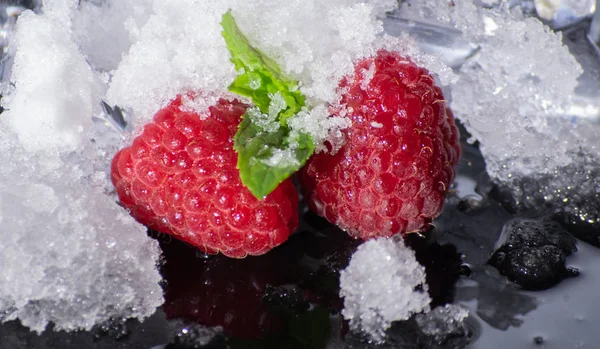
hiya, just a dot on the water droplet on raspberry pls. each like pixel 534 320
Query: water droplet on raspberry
pixel 198 149
pixel 224 157
pixel 185 180
pixel 202 168
pixel 390 207
pixel 208 187
pixel 139 149
pixel 232 239
pixel 265 217
pixel 410 145
pixel 194 202
pixel 174 141
pixel 123 189
pixel 215 133
pixel 140 191
pixel 183 161
pixel 240 217
pixel 385 183
pixel 189 124
pixel 152 135
pixel 174 195
pixel 197 224
pixel 125 164
pixel 255 243
pixel 227 178
pixel 226 197
pixel 149 174
pixel 164 157
pixel 164 117
pixel 158 203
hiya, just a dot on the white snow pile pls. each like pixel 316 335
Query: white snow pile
pixel 68 253
pixel 509 93
pixel 379 286
pixel 516 96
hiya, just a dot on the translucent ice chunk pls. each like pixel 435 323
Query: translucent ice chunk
pixel 564 12
pixel 382 283
pixel 446 42
pixel 442 322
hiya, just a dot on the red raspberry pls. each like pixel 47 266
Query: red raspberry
pixel 397 165
pixel 179 177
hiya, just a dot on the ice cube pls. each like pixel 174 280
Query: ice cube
pixel 443 322
pixel 383 283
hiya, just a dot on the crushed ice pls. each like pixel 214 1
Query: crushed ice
pixel 383 283
pixel 518 97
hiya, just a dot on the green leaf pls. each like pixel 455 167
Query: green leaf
pixel 268 150
pixel 255 148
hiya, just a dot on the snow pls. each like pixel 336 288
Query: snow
pixel 517 96
pixel 54 84
pixel 383 283
pixel 68 253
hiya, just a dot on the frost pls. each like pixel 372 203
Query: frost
pixel 283 157
pixel 382 283
pixel 266 122
pixel 277 104
pixel 324 129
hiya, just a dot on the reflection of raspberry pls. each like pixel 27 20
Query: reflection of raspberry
pixel 397 165
pixel 227 292
pixel 179 177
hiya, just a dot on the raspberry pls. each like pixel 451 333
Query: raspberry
pixel 179 177
pixel 397 165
